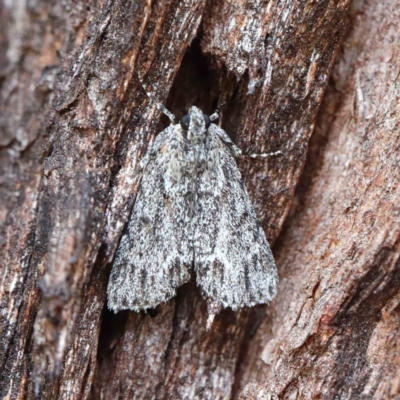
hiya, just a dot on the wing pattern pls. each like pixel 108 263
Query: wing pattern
pixel 192 210
pixel 233 261
pixel 155 253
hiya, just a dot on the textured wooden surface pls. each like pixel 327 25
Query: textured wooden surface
pixel 75 120
pixel 333 329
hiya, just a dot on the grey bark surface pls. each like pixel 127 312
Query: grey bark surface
pixel 75 121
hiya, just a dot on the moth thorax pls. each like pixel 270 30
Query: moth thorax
pixel 195 124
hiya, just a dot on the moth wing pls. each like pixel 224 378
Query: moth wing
pixel 155 254
pixel 233 261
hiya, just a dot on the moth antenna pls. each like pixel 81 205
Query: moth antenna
pixel 158 104
pixel 263 155
pixel 166 112
pixel 214 116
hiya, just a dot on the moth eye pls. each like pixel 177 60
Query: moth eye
pixel 185 121
pixel 207 121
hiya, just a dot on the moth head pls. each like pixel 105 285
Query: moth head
pixel 195 122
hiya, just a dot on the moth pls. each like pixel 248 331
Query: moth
pixel 192 215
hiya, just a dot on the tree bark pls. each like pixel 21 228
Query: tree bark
pixel 76 120
pixel 334 327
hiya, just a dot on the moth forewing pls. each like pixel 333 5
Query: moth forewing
pixel 155 255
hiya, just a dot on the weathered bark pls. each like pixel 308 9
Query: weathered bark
pixel 333 330
pixel 76 120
